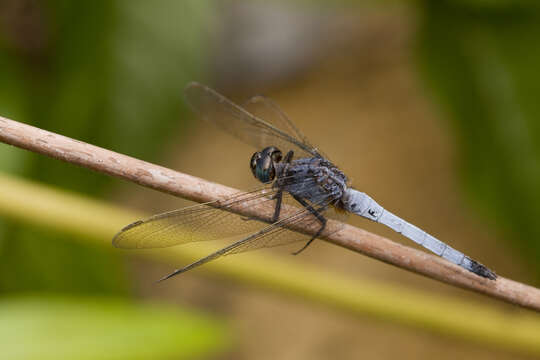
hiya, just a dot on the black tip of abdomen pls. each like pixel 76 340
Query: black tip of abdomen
pixel 482 271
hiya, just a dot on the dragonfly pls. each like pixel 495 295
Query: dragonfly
pixel 301 189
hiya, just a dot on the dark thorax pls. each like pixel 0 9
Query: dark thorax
pixel 314 179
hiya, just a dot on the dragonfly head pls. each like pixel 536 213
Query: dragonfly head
pixel 263 164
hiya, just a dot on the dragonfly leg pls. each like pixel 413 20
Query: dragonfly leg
pixel 319 217
pixel 277 211
pixel 278 196
pixel 288 157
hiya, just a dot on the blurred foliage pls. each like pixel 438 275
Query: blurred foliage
pixel 104 328
pixel 482 63
pixel 494 4
pixel 109 73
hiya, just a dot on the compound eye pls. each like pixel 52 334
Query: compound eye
pixel 270 173
pixel 265 170
pixel 253 163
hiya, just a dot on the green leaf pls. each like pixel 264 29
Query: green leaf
pixel 83 328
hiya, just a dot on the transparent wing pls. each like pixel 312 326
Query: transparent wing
pixel 236 121
pixel 265 108
pixel 279 233
pixel 282 235
pixel 208 221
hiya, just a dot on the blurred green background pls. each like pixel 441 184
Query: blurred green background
pixel 431 107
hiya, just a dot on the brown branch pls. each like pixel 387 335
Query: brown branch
pixel 196 189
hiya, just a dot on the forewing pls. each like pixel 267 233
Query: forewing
pixel 281 232
pixel 267 109
pixel 208 221
pixel 238 122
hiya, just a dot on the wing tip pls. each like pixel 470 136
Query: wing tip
pixel 192 96
pixel 168 276
pixel 193 84
pixel 132 225
pixel 116 240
